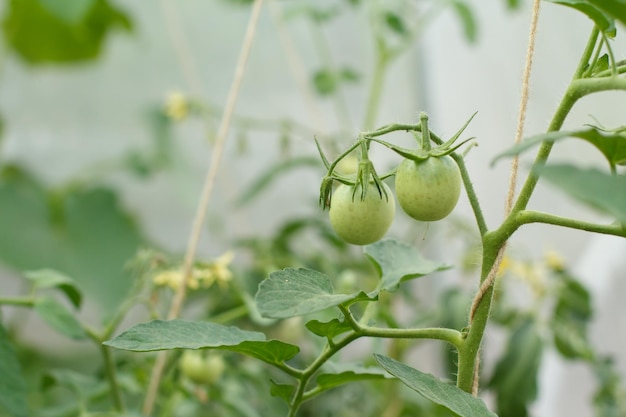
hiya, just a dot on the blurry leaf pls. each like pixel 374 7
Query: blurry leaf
pixel 603 20
pixel 604 192
pixel 572 313
pixel 276 171
pixel 468 20
pixel 513 4
pixel 49 278
pixel 454 305
pixel 335 374
pixel 82 384
pixel 515 378
pixel 614 8
pixel 349 74
pixel 608 400
pixel 329 329
pixel 397 262
pixel 611 144
pixel 69 11
pixel 44 31
pixel 325 82
pixel 283 391
pixel 395 23
pixel 454 399
pixel 296 292
pixel 83 234
pixel 183 334
pixel 59 318
pixel 13 400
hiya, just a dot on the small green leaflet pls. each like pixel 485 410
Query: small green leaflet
pixel 296 292
pixel 50 278
pixel 59 318
pixel 397 262
pixel 449 396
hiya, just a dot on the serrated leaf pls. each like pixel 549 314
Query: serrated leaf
pixel 50 278
pixel 601 191
pixel 335 374
pixel 184 334
pixel 397 262
pixel 468 20
pixel 296 292
pixel 181 334
pixel 271 351
pixel 13 400
pixel 603 20
pixel 57 316
pixel 449 396
pixel 328 329
pixel 515 377
pixel 612 145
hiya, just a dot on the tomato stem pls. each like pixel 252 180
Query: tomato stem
pixel 425 132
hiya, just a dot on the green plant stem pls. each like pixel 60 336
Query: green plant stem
pixel 111 375
pixel 494 241
pixel 382 60
pixel 530 216
pixel 17 301
pixel 587 52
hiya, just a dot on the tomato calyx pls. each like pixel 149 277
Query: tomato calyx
pixel 426 150
pixel 365 177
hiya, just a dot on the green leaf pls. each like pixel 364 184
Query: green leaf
pixel 328 329
pixel 81 384
pixel 603 192
pixel 571 316
pixel 12 384
pixel 397 262
pixel 69 11
pixel 183 334
pixel 45 31
pixel 515 377
pixel 59 318
pixel 395 23
pixel 614 8
pixel 49 278
pixel 468 20
pixel 449 396
pixel 611 144
pixel 603 21
pixel 283 391
pixel 271 351
pixel 276 171
pixel 325 82
pixel 349 74
pixel 81 233
pixel 296 292
pixel 335 374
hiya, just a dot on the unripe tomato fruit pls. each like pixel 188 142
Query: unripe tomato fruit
pixel 201 370
pixel 428 190
pixel 361 222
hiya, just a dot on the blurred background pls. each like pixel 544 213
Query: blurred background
pixel 105 143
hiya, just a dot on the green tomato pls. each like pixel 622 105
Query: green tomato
pixel 361 222
pixel 428 190
pixel 201 370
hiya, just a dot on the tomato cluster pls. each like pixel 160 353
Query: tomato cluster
pixel 427 191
